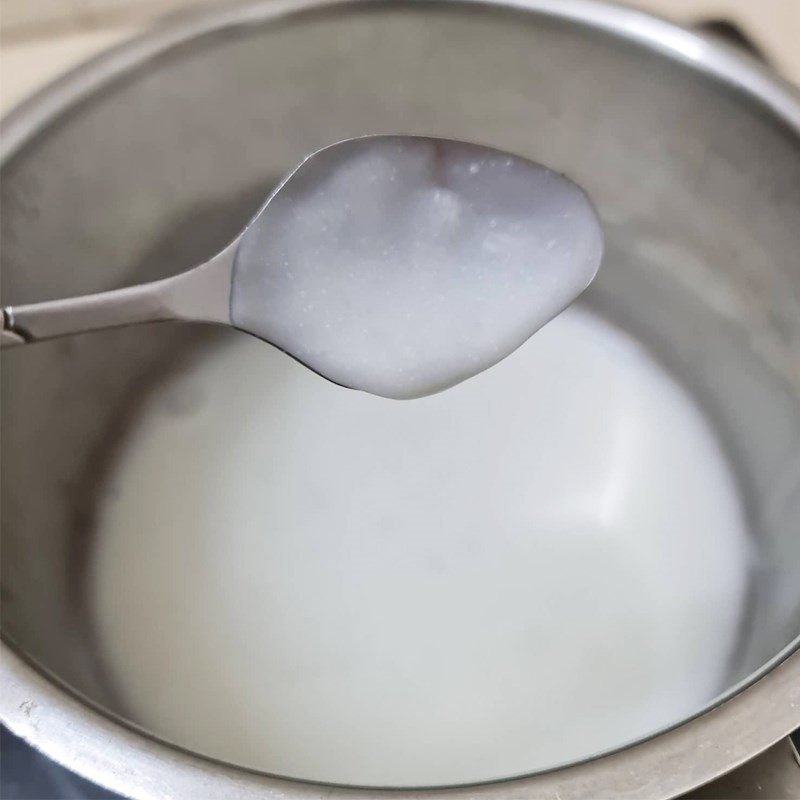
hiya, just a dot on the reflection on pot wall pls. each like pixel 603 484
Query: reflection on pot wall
pixel 41 40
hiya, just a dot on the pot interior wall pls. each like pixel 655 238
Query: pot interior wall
pixel 698 187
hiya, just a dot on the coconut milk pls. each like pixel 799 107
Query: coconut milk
pixel 542 563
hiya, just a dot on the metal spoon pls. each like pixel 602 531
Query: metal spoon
pixel 399 265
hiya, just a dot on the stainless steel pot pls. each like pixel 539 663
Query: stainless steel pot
pixel 150 157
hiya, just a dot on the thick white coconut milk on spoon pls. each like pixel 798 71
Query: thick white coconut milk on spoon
pixel 402 265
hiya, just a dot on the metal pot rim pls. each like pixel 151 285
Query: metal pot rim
pixel 113 753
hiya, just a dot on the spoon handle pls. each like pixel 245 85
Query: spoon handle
pixel 39 321
pixel 201 294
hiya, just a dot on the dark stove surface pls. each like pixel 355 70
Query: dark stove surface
pixel 25 774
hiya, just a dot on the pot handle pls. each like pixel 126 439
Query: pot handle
pixel 731 33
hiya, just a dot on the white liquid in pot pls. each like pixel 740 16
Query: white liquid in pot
pixel 539 564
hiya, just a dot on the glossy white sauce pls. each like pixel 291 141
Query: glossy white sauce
pixel 544 562
pixel 402 266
